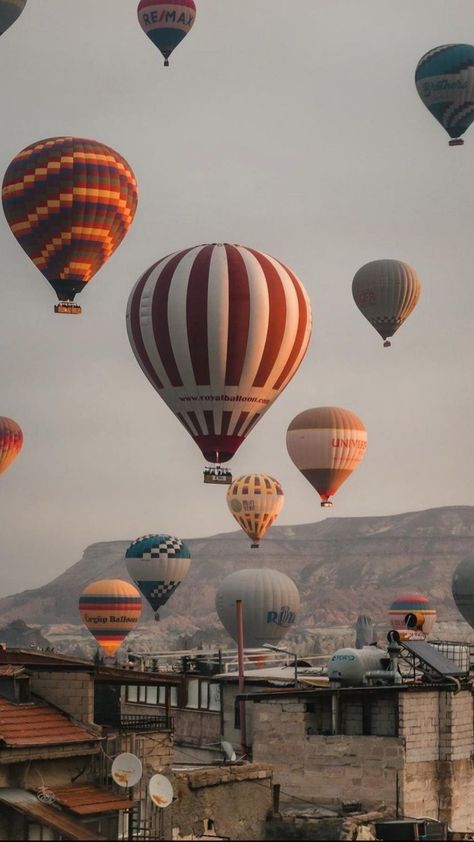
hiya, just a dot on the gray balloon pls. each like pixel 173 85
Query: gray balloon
pixel 270 601
pixel 463 589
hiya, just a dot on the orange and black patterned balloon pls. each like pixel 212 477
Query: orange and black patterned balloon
pixel 11 442
pixel 69 202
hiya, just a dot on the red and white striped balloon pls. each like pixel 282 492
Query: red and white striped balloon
pixel 219 330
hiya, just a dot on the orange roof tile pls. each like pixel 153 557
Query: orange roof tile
pixel 38 723
pixel 86 800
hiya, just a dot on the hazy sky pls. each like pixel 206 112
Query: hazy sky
pixel 294 128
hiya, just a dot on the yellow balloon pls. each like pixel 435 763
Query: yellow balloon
pixel 255 500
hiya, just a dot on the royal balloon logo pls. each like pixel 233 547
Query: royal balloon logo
pixel 283 617
pixel 444 84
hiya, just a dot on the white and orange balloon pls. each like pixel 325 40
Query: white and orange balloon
pixel 219 330
pixel 255 500
pixel 326 444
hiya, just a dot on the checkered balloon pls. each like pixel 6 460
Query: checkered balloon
pixel 157 564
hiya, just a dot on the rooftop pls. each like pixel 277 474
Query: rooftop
pixel 36 724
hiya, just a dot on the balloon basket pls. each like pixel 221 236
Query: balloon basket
pixel 387 344
pixel 217 475
pixel 254 546
pixel 68 307
pixel 457 141
pixel 326 504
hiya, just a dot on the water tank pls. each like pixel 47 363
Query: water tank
pixel 350 665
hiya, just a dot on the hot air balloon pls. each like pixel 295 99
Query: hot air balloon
pixel 326 444
pixel 10 10
pixel 110 609
pixel 270 601
pixel 69 202
pixel 255 501
pixel 157 564
pixel 386 291
pixel 412 616
pixel 166 22
pixel 219 331
pixel 463 589
pixel 445 82
pixel 11 442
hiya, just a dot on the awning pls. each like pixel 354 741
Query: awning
pixel 89 800
pixel 26 803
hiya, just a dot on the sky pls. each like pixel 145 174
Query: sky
pixel 294 128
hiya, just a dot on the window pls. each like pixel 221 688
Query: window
pixel 214 696
pixel 142 694
pixel 152 695
pixel 193 693
pixel 204 700
pixel 162 695
pixel 173 697
pixel 132 693
pixel 203 695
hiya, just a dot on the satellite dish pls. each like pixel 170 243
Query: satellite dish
pixel 126 769
pixel 160 791
pixel 228 750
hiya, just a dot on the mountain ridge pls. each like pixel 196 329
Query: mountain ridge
pixel 342 566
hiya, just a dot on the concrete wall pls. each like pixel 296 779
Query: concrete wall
pixel 72 692
pixel 330 768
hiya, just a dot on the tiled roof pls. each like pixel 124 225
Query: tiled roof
pixel 87 800
pixel 11 671
pixel 37 724
pixel 27 804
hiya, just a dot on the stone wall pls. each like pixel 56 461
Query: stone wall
pixel 231 801
pixel 328 769
pixel 73 692
pixel 439 777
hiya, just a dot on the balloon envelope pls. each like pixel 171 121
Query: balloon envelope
pixel 255 501
pixel 445 82
pixel 463 589
pixel 412 612
pixel 11 442
pixel 166 22
pixel 386 291
pixel 157 564
pixel 69 202
pixel 270 601
pixel 219 331
pixel 326 444
pixel 9 11
pixel 110 609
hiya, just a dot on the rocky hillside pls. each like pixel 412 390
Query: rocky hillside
pixel 342 566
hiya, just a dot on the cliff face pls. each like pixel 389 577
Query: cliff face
pixel 342 567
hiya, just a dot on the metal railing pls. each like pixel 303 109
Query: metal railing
pixel 136 722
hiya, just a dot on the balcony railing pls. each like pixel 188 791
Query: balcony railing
pixel 137 722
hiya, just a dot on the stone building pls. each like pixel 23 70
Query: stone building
pixel 61 725
pixel 407 749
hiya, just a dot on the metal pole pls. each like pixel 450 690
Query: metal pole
pixel 240 650
pixel 296 670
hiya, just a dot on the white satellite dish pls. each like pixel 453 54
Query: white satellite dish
pixel 160 790
pixel 228 750
pixel 126 769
